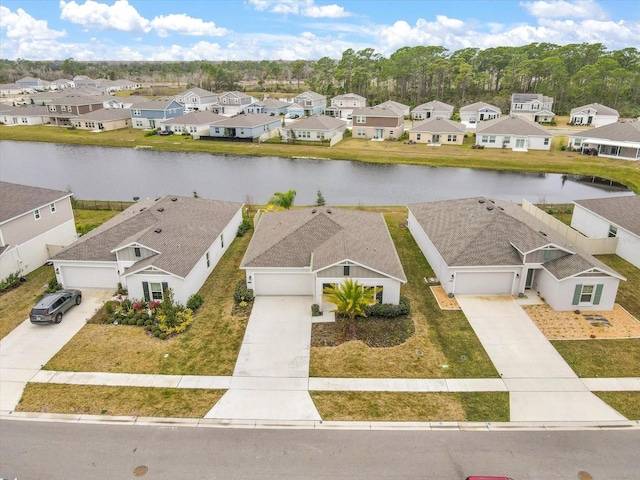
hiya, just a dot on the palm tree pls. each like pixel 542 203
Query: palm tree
pixel 283 199
pixel 350 298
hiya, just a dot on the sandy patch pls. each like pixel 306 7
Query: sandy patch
pixel 576 326
pixel 444 301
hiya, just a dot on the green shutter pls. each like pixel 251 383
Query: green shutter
pixel 145 289
pixel 165 287
pixel 596 299
pixel 576 295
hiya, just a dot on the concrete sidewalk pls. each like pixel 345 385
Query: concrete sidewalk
pixel 542 386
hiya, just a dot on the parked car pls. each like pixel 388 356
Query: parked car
pixel 165 132
pixel 53 306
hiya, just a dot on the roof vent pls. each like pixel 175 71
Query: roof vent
pixel 314 210
pixel 158 230
pixel 542 233
pixel 501 208
pixel 174 199
pixel 481 201
pixel 135 199
pixel 328 210
pixel 489 207
pixel 143 209
pixel 491 201
pixel 161 209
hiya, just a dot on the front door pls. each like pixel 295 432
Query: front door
pixel 530 275
pixel 379 132
pixel 152 124
pixel 520 143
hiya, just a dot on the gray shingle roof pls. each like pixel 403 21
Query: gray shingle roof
pixel 622 211
pixel 600 109
pixel 392 104
pixel 27 111
pixel 194 118
pixel 619 131
pixel 439 125
pixel 530 97
pixel 248 120
pixel 153 104
pixel 512 126
pixel 106 114
pixel 434 105
pixel 484 232
pixel 301 238
pixel 16 200
pixel 310 95
pixel 189 227
pixel 474 107
pixel 318 122
pixel 377 111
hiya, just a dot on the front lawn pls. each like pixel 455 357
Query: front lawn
pixel 627 403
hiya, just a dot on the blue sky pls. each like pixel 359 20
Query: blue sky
pixel 299 29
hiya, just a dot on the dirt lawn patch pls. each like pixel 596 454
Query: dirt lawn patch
pixel 617 323
pixel 444 301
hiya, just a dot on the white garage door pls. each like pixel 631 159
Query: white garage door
pixel 89 277
pixel 484 283
pixel 283 284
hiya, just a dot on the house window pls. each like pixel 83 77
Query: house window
pixel 362 133
pixel 577 142
pixel 546 141
pixel 136 112
pixel 547 255
pixel 208 260
pixel 452 138
pixel 587 294
pixel 222 240
pixel 155 289
pixel 378 293
pixel 492 139
pixel 36 214
pixel 361 119
pixel 506 141
pixel 613 231
pixel 137 252
pixel 52 207
pixel 485 139
pixel 138 123
pixel 417 136
pixel 63 108
pixel 52 108
pixel 346 270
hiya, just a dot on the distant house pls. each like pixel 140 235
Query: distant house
pixel 481 246
pixel 432 109
pixel 156 244
pixel 12 89
pixel 316 128
pixel 64 109
pixel 515 133
pixel 534 107
pixel 397 106
pixel 312 103
pixel 149 113
pixel 33 83
pixel 231 103
pixel 342 105
pixel 438 131
pixel 27 115
pixel 61 84
pixel 471 115
pixel 271 106
pixel 196 99
pixel 617 217
pixel 194 123
pixel 244 127
pixel 81 81
pixel 112 86
pixel 35 223
pixel 619 140
pixel 103 120
pixel 593 114
pixel 380 123
pixel 302 251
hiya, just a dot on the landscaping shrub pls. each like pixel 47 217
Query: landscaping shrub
pixel 121 290
pixel 242 293
pixel 243 228
pixel 140 322
pixel 150 133
pixel 110 307
pixel 388 310
pixel 194 302
pixel 315 310
pixel 13 280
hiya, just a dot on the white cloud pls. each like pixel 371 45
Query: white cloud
pixel 120 16
pixel 305 8
pixel 185 25
pixel 20 25
pixel 564 9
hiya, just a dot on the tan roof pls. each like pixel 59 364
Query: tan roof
pixel 188 227
pixel 485 232
pixel 106 114
pixel 619 131
pixel 195 118
pixel 313 237
pixel 434 105
pixel 27 110
pixel 599 109
pixel 80 99
pixel 201 92
pixel 310 95
pixel 439 125
pixel 511 125
pixel 399 107
pixel 248 120
pixel 153 104
pixel 16 200
pixel 377 111
pixel 318 122
pixel 474 107
pixel 621 211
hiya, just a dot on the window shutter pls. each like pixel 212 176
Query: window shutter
pixel 576 295
pixel 596 299
pixel 145 290
pixel 165 287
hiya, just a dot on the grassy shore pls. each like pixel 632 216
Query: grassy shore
pixel 555 161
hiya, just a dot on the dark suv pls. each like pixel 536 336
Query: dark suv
pixel 52 306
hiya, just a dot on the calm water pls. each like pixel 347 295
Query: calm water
pixel 123 173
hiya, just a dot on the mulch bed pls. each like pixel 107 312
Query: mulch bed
pixel 374 332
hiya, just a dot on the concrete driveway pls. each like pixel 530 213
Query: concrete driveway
pixel 29 347
pixel 271 376
pixel 542 386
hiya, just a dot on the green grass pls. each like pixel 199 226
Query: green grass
pixel 15 304
pixel 412 406
pixel 627 403
pixel 87 220
pixel 555 161
pixel 628 295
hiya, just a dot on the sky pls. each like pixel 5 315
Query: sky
pixel 179 30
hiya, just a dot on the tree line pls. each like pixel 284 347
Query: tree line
pixel 574 74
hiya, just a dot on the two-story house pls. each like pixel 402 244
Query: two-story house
pixel 35 223
pixel 311 102
pixel 342 105
pixel 534 107
pixel 377 123
pixel 231 103
pixel 196 99
pixel 64 109
pixel 271 106
pixel 148 114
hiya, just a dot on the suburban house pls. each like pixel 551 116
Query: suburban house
pixel 272 106
pixel 56 96
pixel 534 107
pixel 302 251
pixel 196 99
pixel 481 246
pixel 342 105
pixel 616 140
pixel 84 81
pixel 103 120
pixel 33 83
pixel 515 133
pixel 61 84
pixel 156 244
pixel 12 89
pixel 35 223
pixel 245 127
pixel 111 86
pixel 295 110
pixel 617 217
pixel 438 131
pixel 231 103
pixel 27 115
pixel 316 128
pixel 313 103
pixel 196 123
pixel 397 106
pixel 432 109
pixel 380 123
pixel 471 115
pixel 63 110
pixel 149 113
pixel 593 114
